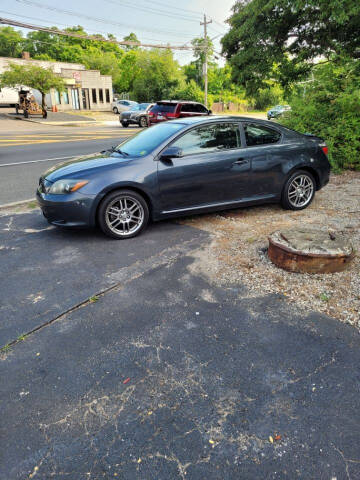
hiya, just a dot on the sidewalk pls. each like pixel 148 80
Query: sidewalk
pixel 68 119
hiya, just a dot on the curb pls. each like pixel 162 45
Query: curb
pixel 16 204
pixel 70 123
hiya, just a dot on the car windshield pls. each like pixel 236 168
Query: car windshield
pixel 143 106
pixel 147 140
pixel 135 107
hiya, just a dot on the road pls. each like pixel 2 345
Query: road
pixel 28 149
pixel 128 363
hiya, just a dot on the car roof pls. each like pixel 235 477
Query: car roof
pixel 214 118
pixel 177 101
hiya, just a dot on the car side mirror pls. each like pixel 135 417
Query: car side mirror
pixel 171 152
pixel 209 112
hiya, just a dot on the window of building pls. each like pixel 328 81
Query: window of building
pixel 93 92
pixel 260 135
pixel 65 98
pixel 210 138
pixel 107 95
pixel 101 95
pixel 57 97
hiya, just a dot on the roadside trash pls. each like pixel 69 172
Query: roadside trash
pixel 271 440
pixel 277 438
pixel 212 442
pixel 127 380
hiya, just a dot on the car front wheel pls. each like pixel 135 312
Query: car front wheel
pixel 298 191
pixel 115 110
pixel 125 124
pixel 123 214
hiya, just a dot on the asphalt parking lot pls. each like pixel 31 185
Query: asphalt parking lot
pixel 137 367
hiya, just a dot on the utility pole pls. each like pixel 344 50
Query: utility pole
pixel 206 23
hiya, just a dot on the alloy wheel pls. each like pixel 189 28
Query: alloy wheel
pixel 124 215
pixel 300 191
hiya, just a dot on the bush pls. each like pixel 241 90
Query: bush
pixel 329 106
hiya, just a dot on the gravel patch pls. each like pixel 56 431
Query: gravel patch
pixel 238 251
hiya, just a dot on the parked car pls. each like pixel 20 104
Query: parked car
pixel 277 111
pixel 187 166
pixel 122 105
pixel 138 115
pixel 170 109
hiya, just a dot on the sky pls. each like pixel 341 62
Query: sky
pixel 159 21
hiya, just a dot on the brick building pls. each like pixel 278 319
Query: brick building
pixel 85 89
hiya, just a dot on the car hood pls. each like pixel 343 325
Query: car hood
pixel 79 166
pixel 132 113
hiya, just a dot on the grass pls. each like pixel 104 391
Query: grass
pixel 32 205
pixel 324 297
pixel 93 299
pixel 6 348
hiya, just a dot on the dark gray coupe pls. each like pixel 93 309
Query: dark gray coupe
pixel 182 167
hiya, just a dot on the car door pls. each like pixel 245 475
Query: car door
pixel 265 151
pixel 210 170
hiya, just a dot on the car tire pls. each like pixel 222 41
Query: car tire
pixel 143 122
pixel 298 191
pixel 123 214
pixel 125 124
pixel 115 110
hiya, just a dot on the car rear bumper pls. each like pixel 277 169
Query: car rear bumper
pixel 73 210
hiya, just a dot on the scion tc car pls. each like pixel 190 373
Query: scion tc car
pixel 186 166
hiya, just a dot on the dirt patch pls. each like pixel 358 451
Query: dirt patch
pixel 238 252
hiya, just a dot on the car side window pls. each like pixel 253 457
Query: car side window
pixel 256 134
pixel 209 138
pixel 186 108
pixel 202 109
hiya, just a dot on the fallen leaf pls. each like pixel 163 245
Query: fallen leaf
pixel 277 438
pixel 139 460
pixel 271 440
pixel 212 442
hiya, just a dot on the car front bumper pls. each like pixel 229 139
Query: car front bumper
pixel 72 210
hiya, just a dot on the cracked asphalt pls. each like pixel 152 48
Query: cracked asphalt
pixel 163 374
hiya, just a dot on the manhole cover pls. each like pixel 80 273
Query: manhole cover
pixel 310 251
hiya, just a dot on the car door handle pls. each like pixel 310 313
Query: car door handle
pixel 241 161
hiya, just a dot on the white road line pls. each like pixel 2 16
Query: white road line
pixel 43 160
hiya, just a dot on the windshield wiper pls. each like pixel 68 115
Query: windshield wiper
pixel 121 151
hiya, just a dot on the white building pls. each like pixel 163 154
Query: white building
pixel 85 89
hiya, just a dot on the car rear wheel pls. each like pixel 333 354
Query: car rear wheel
pixel 143 122
pixel 123 214
pixel 125 124
pixel 298 191
pixel 115 110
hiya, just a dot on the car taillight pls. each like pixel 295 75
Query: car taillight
pixel 151 114
pixel 325 149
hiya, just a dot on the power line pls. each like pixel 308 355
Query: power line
pixel 155 11
pixel 67 26
pixel 88 17
pixel 8 21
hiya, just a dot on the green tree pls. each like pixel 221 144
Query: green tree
pixel 327 104
pixel 32 76
pixel 131 38
pixel 11 42
pixel 157 75
pixel 290 36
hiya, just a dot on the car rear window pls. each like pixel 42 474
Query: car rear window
pixel 164 107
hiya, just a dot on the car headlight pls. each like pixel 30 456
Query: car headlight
pixel 66 186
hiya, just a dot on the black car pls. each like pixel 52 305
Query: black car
pixel 182 167
pixel 138 115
